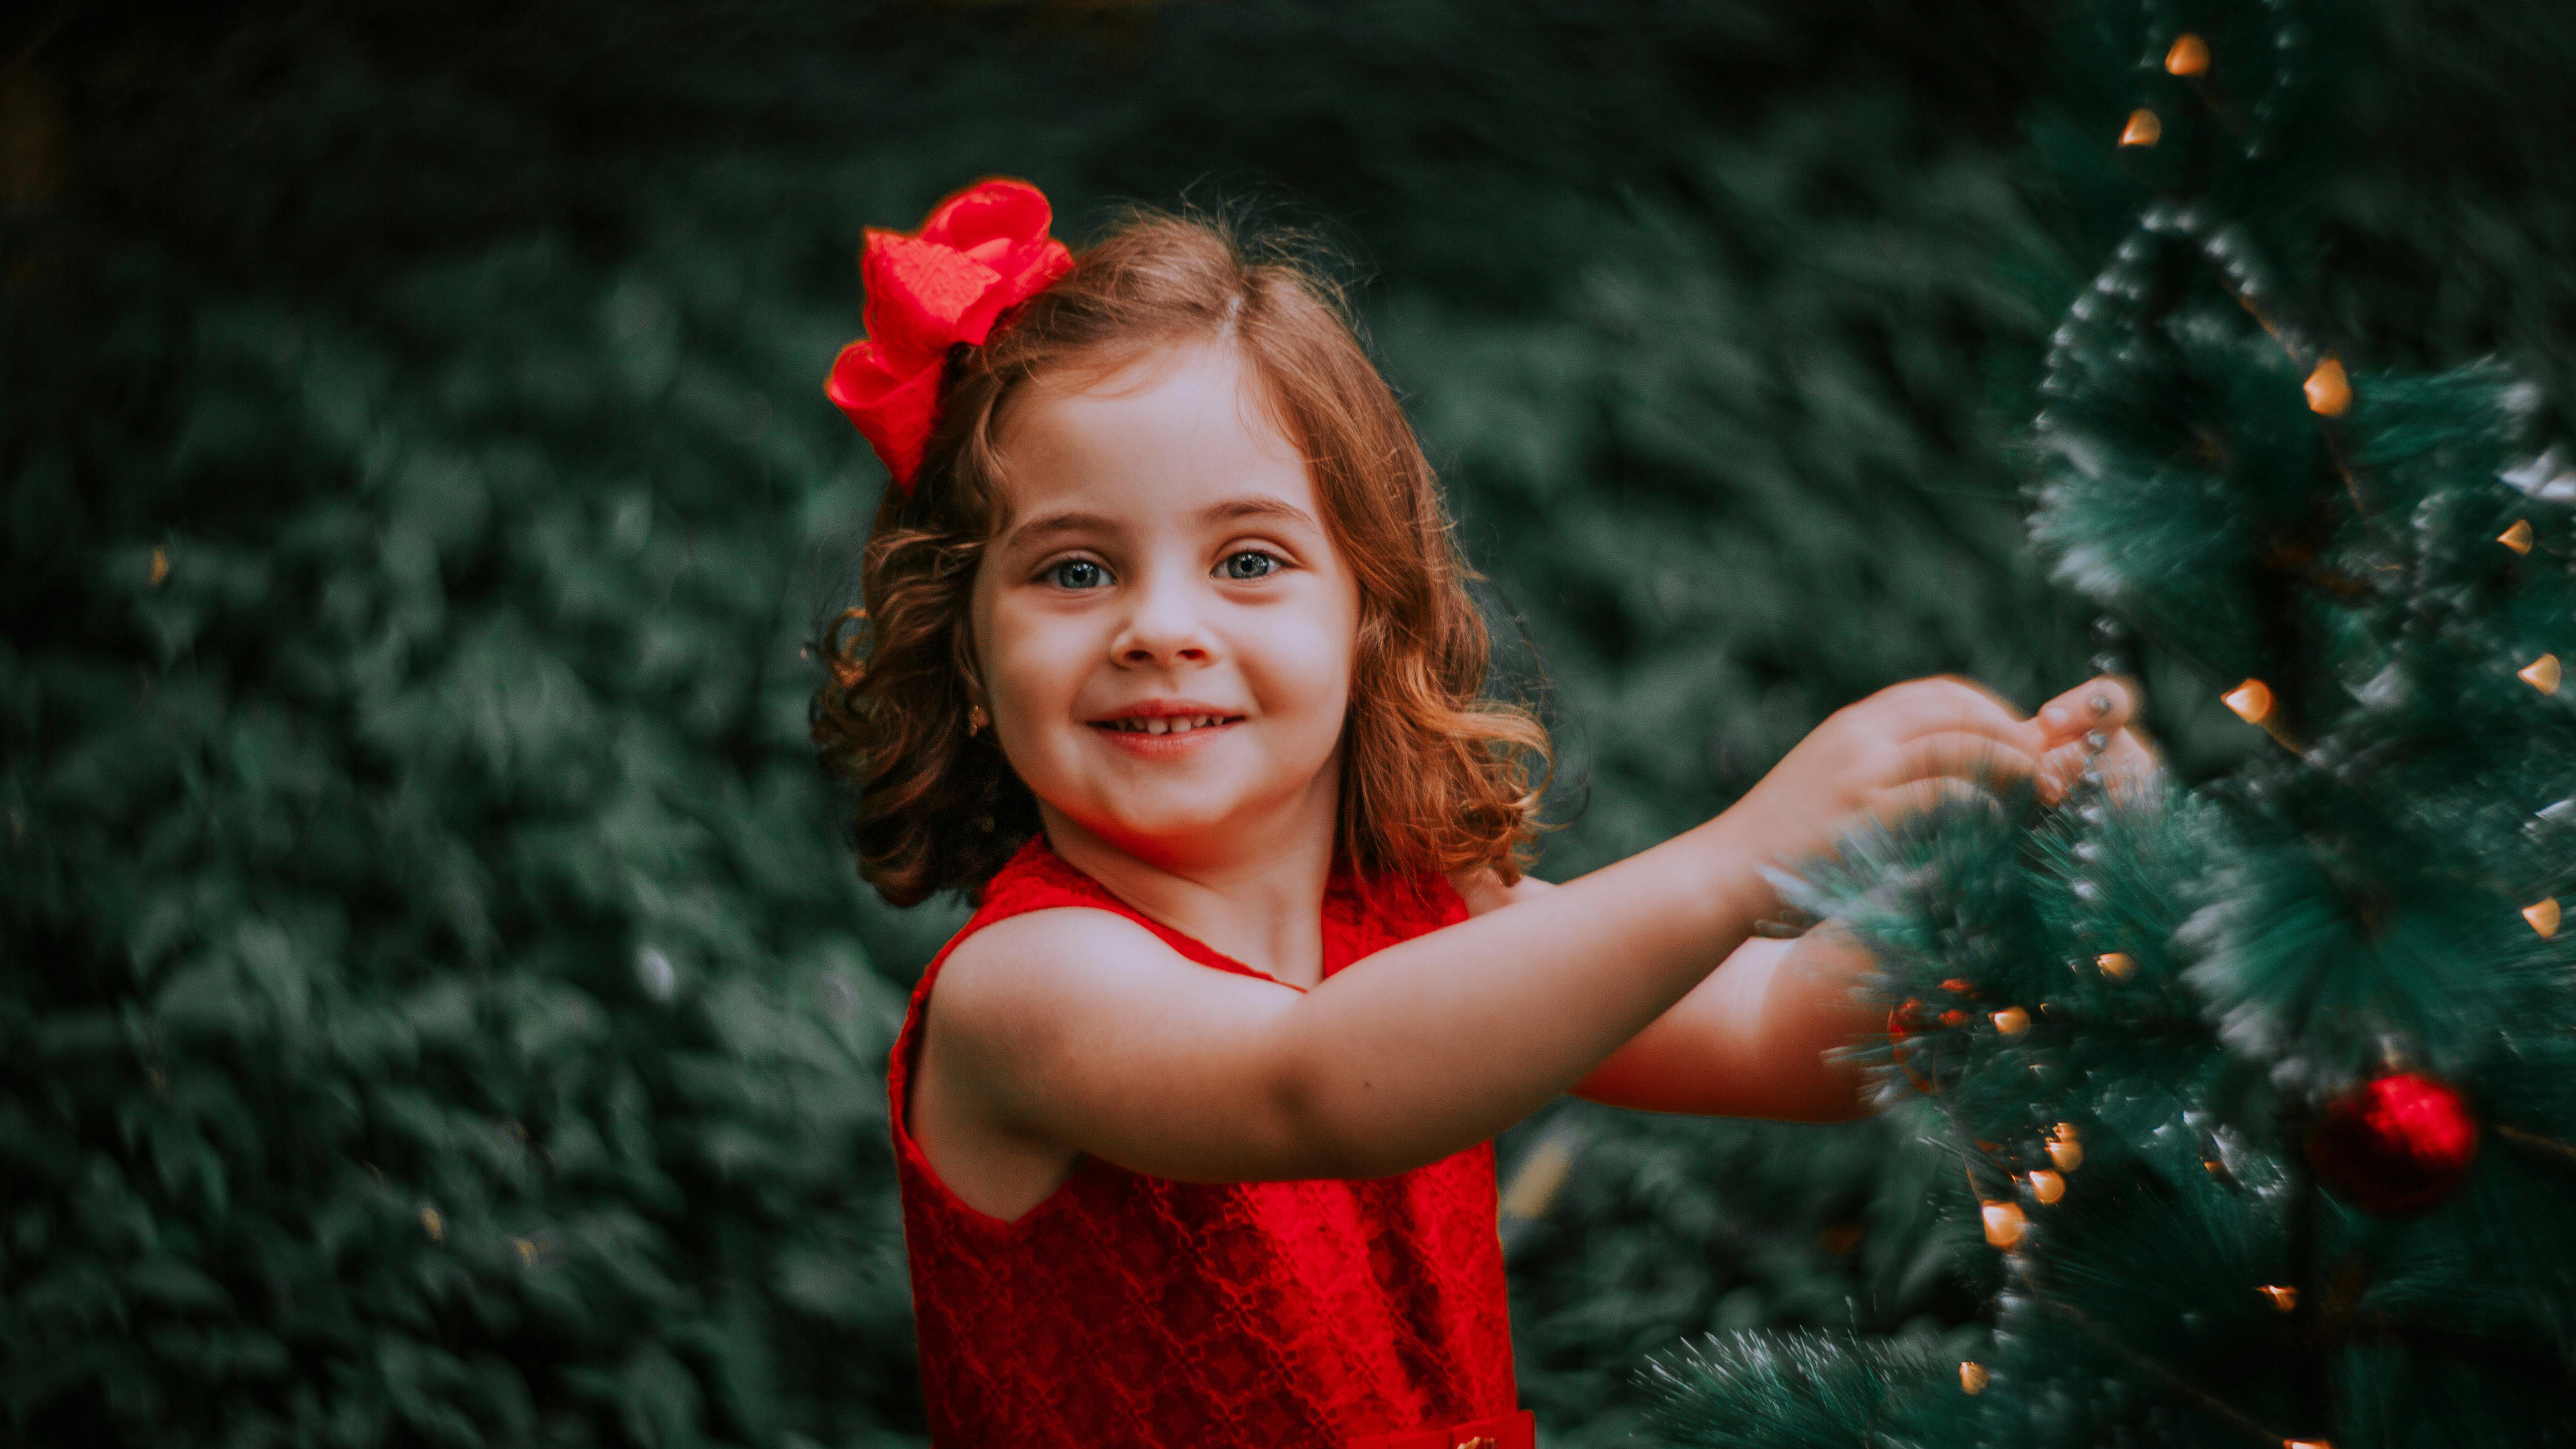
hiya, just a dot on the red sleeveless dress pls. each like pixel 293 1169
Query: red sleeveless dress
pixel 1128 1310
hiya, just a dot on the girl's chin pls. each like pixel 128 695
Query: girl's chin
pixel 1164 820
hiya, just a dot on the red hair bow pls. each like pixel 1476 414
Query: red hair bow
pixel 980 252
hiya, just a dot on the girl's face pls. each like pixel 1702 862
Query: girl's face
pixel 1163 628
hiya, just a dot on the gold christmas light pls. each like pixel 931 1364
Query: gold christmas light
pixel 432 1224
pixel 2065 1147
pixel 2306 1444
pixel 2116 965
pixel 2004 1223
pixel 2329 390
pixel 2189 56
pixel 2541 674
pixel 2143 129
pixel 2543 916
pixel 160 566
pixel 2282 1295
pixel 2518 537
pixel 2012 1021
pixel 2251 700
pixel 1972 1376
pixel 2047 1186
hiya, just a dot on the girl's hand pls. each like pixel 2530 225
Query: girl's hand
pixel 2100 707
pixel 1758 1037
pixel 1903 749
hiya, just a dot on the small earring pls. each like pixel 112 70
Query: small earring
pixel 975 719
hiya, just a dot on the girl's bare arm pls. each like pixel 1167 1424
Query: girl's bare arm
pixel 1066 1032
pixel 1758 1038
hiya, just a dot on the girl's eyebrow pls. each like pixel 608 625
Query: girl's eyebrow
pixel 1049 525
pixel 1258 506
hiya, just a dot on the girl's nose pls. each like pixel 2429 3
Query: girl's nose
pixel 1164 628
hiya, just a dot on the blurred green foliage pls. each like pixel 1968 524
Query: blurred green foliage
pixel 435 1007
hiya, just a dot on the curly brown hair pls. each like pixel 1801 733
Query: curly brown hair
pixel 1436 777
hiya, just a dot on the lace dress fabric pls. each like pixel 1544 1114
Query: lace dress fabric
pixel 1134 1310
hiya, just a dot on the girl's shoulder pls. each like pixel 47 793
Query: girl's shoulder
pixel 1039 907
pixel 1039 969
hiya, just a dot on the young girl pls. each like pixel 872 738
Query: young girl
pixel 1168 662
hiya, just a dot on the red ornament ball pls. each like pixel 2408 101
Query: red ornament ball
pixel 2395 1144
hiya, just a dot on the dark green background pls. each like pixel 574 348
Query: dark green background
pixel 435 1008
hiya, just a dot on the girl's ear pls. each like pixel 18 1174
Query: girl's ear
pixel 970 675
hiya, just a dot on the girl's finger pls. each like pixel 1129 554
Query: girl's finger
pixel 2124 763
pixel 2130 763
pixel 2103 704
pixel 1960 755
pixel 1947 705
pixel 2061 767
pixel 2057 771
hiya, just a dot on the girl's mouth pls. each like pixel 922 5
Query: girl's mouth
pixel 1166 724
pixel 1160 736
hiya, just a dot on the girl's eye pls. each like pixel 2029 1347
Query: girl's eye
pixel 1078 573
pixel 1252 563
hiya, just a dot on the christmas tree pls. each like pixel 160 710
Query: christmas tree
pixel 2261 1095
